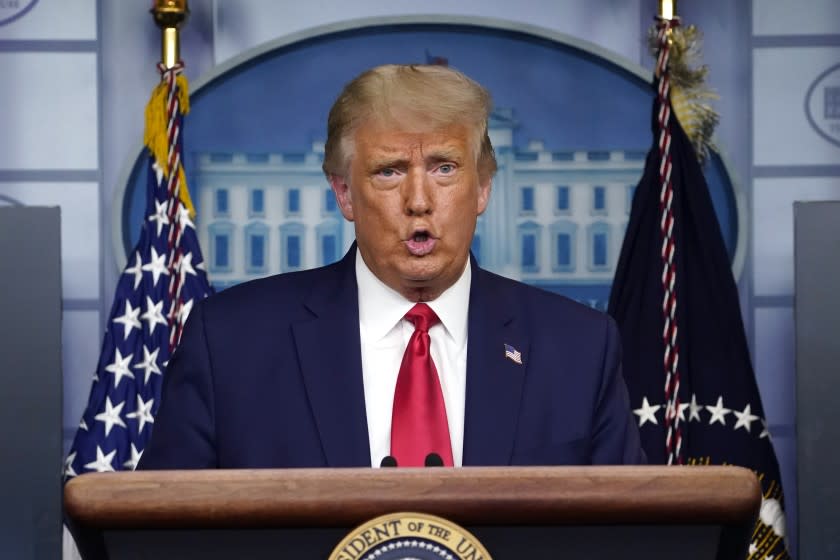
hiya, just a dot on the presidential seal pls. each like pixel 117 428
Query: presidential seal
pixel 409 536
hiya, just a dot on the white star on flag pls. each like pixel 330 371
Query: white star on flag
pixel 161 216
pixel 681 412
pixel 765 433
pixel 143 413
pixel 157 266
pixel 184 218
pixel 718 412
pixel 745 419
pixel 154 314
pixel 158 172
pixel 149 364
pixel 111 416
pixel 185 267
pixel 694 409
pixel 647 413
pixel 68 465
pixel 119 367
pixel 136 270
pixel 129 320
pixel 103 462
pixel 131 464
pixel 184 312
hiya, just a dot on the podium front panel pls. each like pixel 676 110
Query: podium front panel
pixel 651 542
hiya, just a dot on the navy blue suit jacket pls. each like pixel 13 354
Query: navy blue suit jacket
pixel 268 374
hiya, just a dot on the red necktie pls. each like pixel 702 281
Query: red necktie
pixel 418 421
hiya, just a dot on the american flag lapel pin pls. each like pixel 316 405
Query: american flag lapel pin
pixel 513 354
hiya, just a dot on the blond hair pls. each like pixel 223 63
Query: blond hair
pixel 433 95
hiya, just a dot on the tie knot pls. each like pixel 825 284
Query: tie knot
pixel 422 316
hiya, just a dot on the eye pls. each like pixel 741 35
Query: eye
pixel 446 168
pixel 387 172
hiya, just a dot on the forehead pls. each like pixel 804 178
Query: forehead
pixel 374 137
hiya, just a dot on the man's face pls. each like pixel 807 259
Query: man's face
pixel 414 198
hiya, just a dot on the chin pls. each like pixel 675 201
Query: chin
pixel 419 279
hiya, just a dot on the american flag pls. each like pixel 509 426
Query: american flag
pixel 513 354
pixel 163 278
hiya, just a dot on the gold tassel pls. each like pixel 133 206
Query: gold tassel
pixel 184 193
pixel 155 137
pixel 690 95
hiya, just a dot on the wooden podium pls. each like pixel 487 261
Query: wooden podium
pixel 517 513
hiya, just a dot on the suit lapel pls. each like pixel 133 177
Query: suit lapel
pixel 494 382
pixel 329 351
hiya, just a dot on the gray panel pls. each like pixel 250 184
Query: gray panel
pixel 30 377
pixel 817 276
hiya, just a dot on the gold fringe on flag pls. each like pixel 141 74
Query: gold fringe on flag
pixel 690 95
pixel 156 138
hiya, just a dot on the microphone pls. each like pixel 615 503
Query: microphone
pixel 434 460
pixel 389 461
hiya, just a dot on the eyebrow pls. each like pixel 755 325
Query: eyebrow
pixel 444 154
pixel 397 158
pixel 385 161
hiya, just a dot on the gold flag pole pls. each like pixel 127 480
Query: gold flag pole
pixel 161 112
pixel 169 15
pixel 688 92
pixel 667 9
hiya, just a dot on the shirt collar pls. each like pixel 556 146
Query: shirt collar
pixel 381 307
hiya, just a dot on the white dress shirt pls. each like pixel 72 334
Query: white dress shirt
pixel 384 336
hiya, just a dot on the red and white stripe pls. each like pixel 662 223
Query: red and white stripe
pixel 671 357
pixel 173 133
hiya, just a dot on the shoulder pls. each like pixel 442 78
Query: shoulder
pixel 278 296
pixel 541 305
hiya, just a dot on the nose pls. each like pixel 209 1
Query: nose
pixel 417 193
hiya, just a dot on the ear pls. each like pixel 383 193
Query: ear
pixel 484 187
pixel 342 195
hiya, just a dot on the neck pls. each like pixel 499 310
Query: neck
pixel 422 294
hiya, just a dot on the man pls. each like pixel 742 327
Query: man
pixel 404 349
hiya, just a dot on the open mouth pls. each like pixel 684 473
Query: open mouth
pixel 420 243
